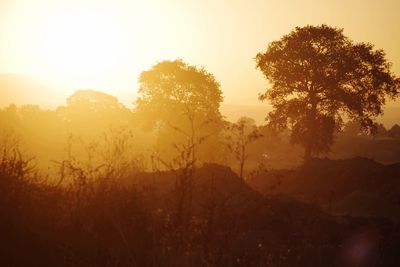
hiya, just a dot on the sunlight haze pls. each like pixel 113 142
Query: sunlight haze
pixel 188 133
pixel 104 45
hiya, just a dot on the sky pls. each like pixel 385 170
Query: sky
pixel 104 45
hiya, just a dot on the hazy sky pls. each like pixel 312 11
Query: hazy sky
pixel 106 44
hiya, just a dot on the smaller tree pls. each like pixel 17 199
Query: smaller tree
pixel 241 134
pixel 94 108
pixel 380 131
pixel 91 101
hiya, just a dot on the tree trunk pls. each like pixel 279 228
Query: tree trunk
pixel 312 120
pixel 243 159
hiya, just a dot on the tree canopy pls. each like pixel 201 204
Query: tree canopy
pixel 172 89
pixel 319 78
pixel 93 101
pixel 181 103
pixel 94 108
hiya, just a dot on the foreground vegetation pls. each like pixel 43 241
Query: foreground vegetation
pixel 185 217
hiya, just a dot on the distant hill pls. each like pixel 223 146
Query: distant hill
pixel 259 113
pixel 22 89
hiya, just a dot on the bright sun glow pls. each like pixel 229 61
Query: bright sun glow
pixel 81 45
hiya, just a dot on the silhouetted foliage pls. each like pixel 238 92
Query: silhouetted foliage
pixel 181 102
pixel 97 108
pixel 171 89
pixel 319 77
pixel 240 135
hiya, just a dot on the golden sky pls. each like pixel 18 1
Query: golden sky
pixel 105 44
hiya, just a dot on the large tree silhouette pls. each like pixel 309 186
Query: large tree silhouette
pixel 318 77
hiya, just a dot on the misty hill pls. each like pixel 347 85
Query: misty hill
pixel 259 113
pixel 22 89
pixel 358 186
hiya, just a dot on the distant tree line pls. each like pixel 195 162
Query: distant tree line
pixel 321 84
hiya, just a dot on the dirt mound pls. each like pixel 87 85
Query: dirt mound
pixel 358 186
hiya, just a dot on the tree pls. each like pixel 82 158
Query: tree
pixel 319 78
pixel 242 133
pixel 181 102
pixel 94 108
pixel 93 102
pixel 175 97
